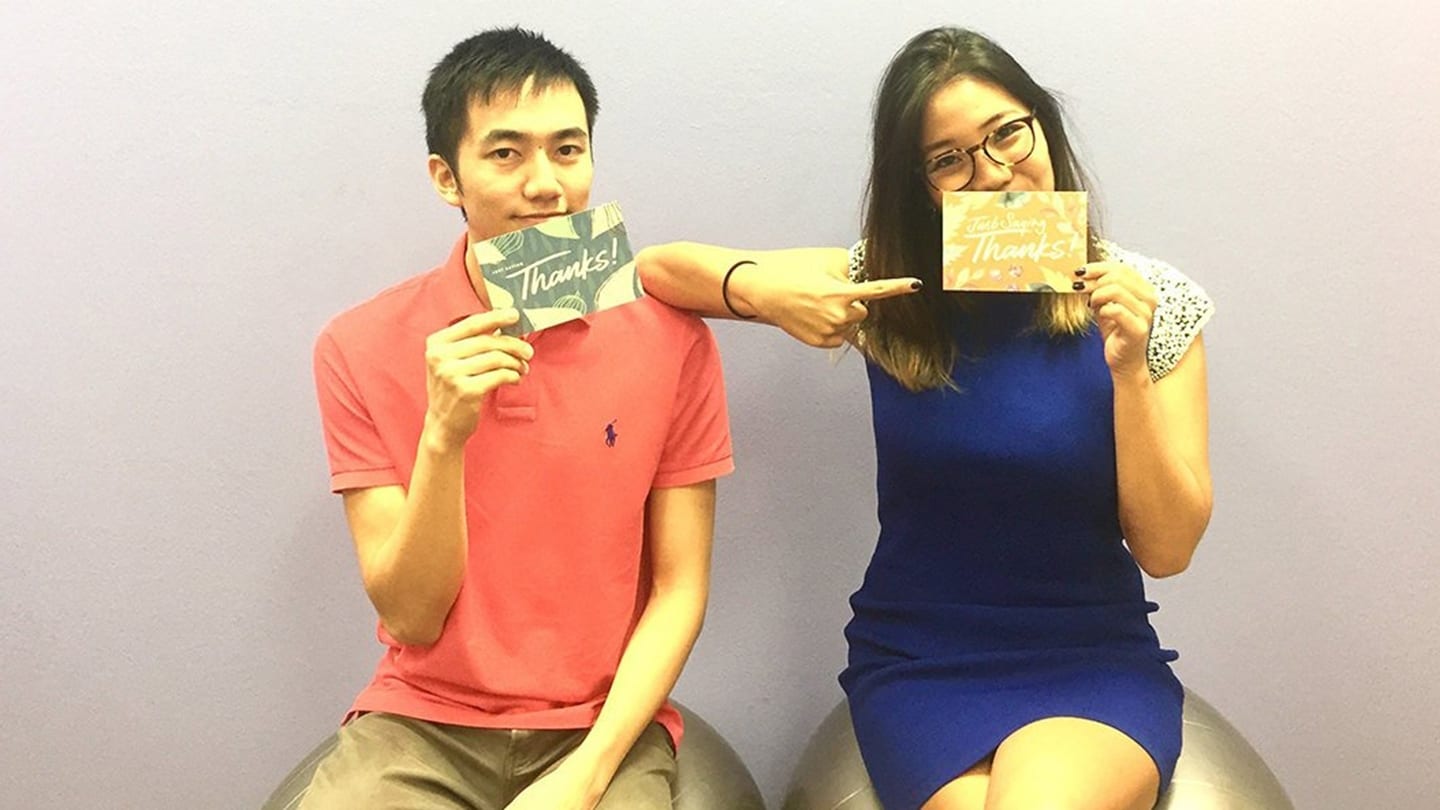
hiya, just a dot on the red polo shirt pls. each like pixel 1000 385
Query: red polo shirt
pixel 556 478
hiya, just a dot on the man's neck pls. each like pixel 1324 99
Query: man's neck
pixel 474 273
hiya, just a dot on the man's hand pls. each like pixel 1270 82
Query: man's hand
pixel 463 363
pixel 567 787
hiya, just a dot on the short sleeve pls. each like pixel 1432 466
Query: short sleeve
pixel 697 444
pixel 857 262
pixel 357 454
pixel 1182 308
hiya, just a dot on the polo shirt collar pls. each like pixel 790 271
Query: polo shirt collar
pixel 454 293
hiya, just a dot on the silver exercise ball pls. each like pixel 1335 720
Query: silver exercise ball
pixel 1218 770
pixel 708 773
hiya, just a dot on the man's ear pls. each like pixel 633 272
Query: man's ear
pixel 446 184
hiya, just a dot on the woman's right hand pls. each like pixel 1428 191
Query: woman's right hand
pixel 808 293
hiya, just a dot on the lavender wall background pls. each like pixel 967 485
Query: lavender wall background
pixel 187 193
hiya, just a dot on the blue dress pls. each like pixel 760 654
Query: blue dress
pixel 1000 591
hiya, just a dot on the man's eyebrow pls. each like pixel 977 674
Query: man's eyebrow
pixel 496 135
pixel 570 134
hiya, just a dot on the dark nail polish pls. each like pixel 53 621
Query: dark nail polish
pixel 1080 271
pixel 1078 286
pixel 917 284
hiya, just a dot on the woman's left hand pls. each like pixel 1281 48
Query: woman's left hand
pixel 1123 303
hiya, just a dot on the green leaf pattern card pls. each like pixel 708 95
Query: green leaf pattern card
pixel 561 269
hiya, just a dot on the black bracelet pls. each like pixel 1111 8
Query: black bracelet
pixel 725 290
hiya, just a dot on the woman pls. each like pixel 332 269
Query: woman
pixel 1035 452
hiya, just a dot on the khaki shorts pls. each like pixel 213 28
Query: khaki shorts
pixel 387 761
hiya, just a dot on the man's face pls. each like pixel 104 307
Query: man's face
pixel 524 158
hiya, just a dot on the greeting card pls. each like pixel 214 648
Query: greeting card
pixel 561 269
pixel 1012 241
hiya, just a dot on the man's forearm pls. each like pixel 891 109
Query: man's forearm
pixel 648 670
pixel 413 577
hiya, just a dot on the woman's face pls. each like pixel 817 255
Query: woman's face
pixel 965 113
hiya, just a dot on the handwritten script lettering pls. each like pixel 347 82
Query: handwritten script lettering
pixel 1009 223
pixel 985 248
pixel 541 275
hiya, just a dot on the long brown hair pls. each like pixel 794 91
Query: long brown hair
pixel 909 336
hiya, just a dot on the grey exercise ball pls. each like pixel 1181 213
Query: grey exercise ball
pixel 708 773
pixel 1218 770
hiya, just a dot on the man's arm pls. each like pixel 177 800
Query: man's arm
pixel 679 527
pixel 412 542
pixel 412 549
pixel 804 291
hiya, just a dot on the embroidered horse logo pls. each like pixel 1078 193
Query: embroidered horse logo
pixel 610 434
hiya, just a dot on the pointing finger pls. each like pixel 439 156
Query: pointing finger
pixel 884 288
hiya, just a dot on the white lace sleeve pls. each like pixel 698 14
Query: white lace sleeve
pixel 857 262
pixel 1181 311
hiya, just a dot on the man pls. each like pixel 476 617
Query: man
pixel 532 517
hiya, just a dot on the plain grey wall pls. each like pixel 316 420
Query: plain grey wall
pixel 188 192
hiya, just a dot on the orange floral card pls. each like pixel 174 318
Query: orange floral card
pixel 1012 241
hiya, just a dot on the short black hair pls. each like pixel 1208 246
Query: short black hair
pixel 490 64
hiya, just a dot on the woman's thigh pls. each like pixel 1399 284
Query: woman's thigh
pixel 1075 763
pixel 964 792
pixel 1060 762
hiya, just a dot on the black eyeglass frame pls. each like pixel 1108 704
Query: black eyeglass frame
pixel 984 145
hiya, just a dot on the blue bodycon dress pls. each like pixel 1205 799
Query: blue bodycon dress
pixel 1000 590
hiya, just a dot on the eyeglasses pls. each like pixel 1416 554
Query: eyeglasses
pixel 1006 145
